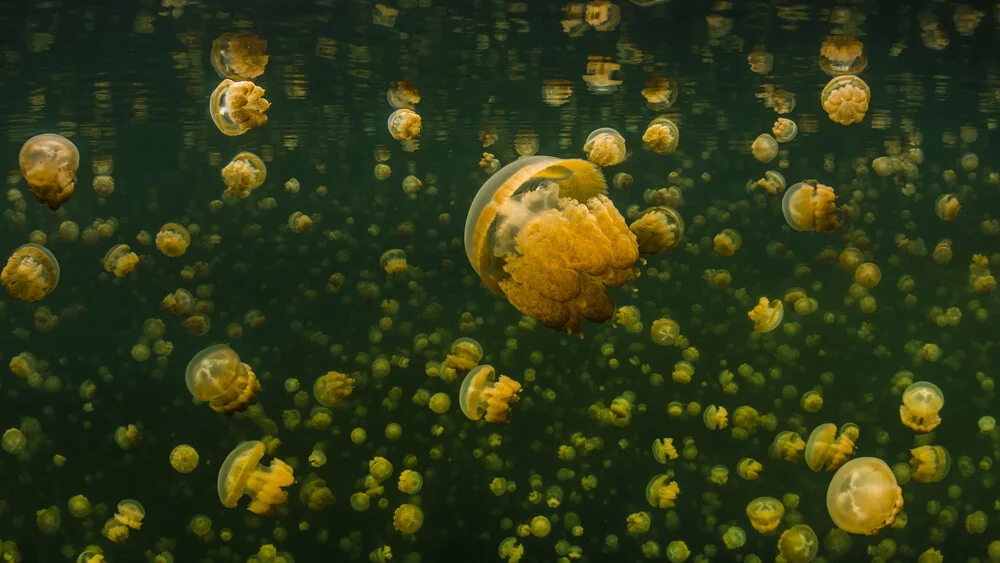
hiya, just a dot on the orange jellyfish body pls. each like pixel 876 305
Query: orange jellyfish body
pixel 237 107
pixel 863 497
pixel 49 163
pixel 767 315
pixel 842 54
pixel 482 394
pixel 241 474
pixel 239 56
pixel 845 99
pixel 658 229
pixel 216 375
pixel 922 401
pixel 765 513
pixel 31 273
pixel 810 206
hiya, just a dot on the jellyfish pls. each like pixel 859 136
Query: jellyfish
pixel 239 56
pixel 332 388
pixel 845 99
pixel 557 91
pixel 173 240
pixel 764 148
pixel 727 242
pixel 216 375
pixel 120 260
pixel 929 464
pixel 49 163
pixel 130 513
pixel 404 124
pixel 788 445
pixel 542 233
pixel 749 468
pixel 947 207
pixel 510 551
pixel 715 418
pixel 867 275
pixel 598 75
pixel 242 474
pixel 184 458
pixel 660 93
pixel 237 107
pixel 784 130
pixel 826 450
pixel 842 54
pixel 661 135
pixel 863 497
pixel 31 273
pixel 465 355
pixel 393 261
pixel 244 174
pixel 661 492
pixel 481 394
pixel 772 183
pixel 402 95
pixel 798 544
pixel 408 518
pixel 810 206
pixel 765 513
pixel 922 401
pixel 605 147
pixel 314 493
pixel 657 229
pixel 663 449
pixel 767 315
pixel 410 482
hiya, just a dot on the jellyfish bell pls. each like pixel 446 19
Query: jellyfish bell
pixel 483 395
pixel 922 401
pixel 661 135
pixel 542 233
pixel 810 206
pixel 404 124
pixel 239 56
pixel 657 229
pixel 767 314
pixel 402 95
pixel 237 107
pixel 764 148
pixel 241 474
pixel 605 147
pixel 842 54
pixel 845 99
pixel 31 273
pixel 217 375
pixel 48 164
pixel 863 497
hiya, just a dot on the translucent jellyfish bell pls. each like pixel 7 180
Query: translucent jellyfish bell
pixel 402 95
pixel 49 163
pixel 922 401
pixel 31 273
pixel 863 497
pixel 216 375
pixel 605 147
pixel 845 99
pixel 658 229
pixel 579 242
pixel 842 54
pixel 767 315
pixel 810 206
pixel 764 148
pixel 237 107
pixel 482 395
pixel 661 135
pixel 239 56
pixel 765 513
pixel 241 474
pixel 798 544
pixel 404 124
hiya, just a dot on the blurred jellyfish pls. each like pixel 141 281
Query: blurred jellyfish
pixel 239 56
pixel 767 315
pixel 798 544
pixel 49 163
pixel 660 93
pixel 402 95
pixel 237 107
pixel 661 135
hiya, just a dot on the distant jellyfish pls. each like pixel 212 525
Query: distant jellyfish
pixel 784 130
pixel 842 54
pixel 922 401
pixel 772 183
pixel 764 148
pixel 237 107
pixel 404 124
pixel 765 513
pixel 727 242
pixel 658 229
pixel 332 388
pixel 662 491
pixel 49 163
pixel 242 474
pixel 767 315
pixel 660 92
pixel 947 207
pixel 402 95
pixel 393 261
pixel 845 99
pixel 31 273
pixel 605 147
pixel 130 513
pixel 482 395
pixel 239 56
pixel 798 544
pixel 120 260
pixel 661 135
pixel 863 497
pixel 929 464
pixel 173 240
pixel 408 518
pixel 217 375
pixel 810 206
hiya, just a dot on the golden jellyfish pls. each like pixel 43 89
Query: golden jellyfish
pixel 749 468
pixel 764 148
pixel 173 240
pixel 845 99
pixel 393 261
pixel 727 242
pixel 410 482
pixel 715 418
pixel 557 91
pixel 661 135
pixel 240 56
pixel 402 95
pixel 332 388
pixel 49 163
pixel 661 492
pixel 788 445
pixel 798 544
pixel 130 513
pixel 772 183
pixel 465 354
pixel 184 458
pixel 784 130
pixel 929 464
pixel 217 375
pixel 826 450
pixel 510 551
pixel 605 147
pixel 842 54
pixel 658 229
pixel 767 315
pixel 237 107
pixel 598 75
pixel 244 174
pixel 663 450
pixel 408 518
pixel 922 401
pixel 243 474
pixel 120 260
pixel 947 207
pixel 810 206
pixel 660 93
pixel 542 233
pixel 404 124
pixel 482 394
pixel 31 273
pixel 863 497
pixel 868 275
pixel 765 513
pixel 760 61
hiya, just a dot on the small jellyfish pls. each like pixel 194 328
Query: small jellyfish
pixel 239 56
pixel 31 273
pixel 810 206
pixel 727 242
pixel 465 354
pixel 482 394
pixel 217 375
pixel 715 418
pixel 237 107
pixel 767 315
pixel 764 148
pixel 244 174
pixel 130 513
pixel 845 99
pixel 749 468
pixel 510 551
pixel 798 544
pixel 788 445
pixel 173 240
pixel 842 54
pixel 947 207
pixel 658 229
pixel 734 537
pixel 826 450
pixel 663 449
pixel 120 260
pixel 867 275
pixel 765 513
pixel 393 261
pixel 661 491
pixel 299 222
pixel 49 163
pixel 404 124
pixel 922 401
pixel 402 95
pixel 14 441
pixel 660 92
pixel 184 458
pixel 929 464
pixel 863 497
pixel 784 130
pixel 772 183
pixel 410 482
pixel 242 474
pixel 408 518
pixel 332 388
pixel 661 135
pixel 605 147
